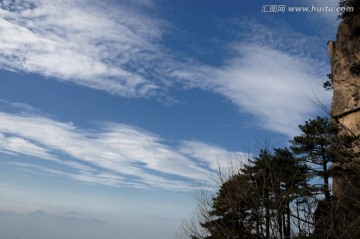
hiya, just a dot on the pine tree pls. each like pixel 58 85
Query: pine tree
pixel 256 203
pixel 281 180
pixel 316 146
pixel 233 210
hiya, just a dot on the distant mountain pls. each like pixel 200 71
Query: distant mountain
pixel 76 214
pixel 38 213
pixel 41 225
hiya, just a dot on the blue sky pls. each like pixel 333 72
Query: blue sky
pixel 119 109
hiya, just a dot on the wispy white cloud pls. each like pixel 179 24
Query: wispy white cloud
pixel 83 42
pixel 210 155
pixel 269 77
pixel 272 85
pixel 14 145
pixel 113 154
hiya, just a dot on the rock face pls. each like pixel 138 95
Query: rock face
pixel 345 73
pixel 345 61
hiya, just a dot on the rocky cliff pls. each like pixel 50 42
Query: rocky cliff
pixel 345 75
pixel 345 62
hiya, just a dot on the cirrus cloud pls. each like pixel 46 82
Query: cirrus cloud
pixel 112 153
pixel 121 51
pixel 75 41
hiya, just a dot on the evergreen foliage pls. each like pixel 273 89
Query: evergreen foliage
pixel 355 4
pixel 259 201
pixel 315 147
pixel 274 196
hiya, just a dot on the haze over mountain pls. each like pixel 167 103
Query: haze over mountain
pixel 41 225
